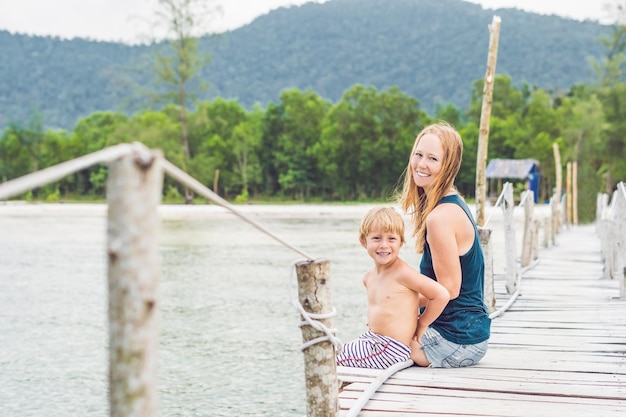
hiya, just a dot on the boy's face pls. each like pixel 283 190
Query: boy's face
pixel 382 246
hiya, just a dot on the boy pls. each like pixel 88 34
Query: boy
pixel 393 294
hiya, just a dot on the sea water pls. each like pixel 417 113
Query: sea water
pixel 229 337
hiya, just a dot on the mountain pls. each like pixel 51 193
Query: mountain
pixel 432 50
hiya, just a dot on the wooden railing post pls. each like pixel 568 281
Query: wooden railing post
pixel 320 369
pixel 133 194
pixel 535 239
pixel 508 207
pixel 619 220
pixel 554 216
pixel 485 244
pixel 527 240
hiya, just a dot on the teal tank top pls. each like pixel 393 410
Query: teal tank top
pixel 465 319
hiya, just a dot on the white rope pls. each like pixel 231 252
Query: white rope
pixel 498 202
pixel 513 297
pixel 189 181
pixel 56 172
pixel 312 320
pixel 366 395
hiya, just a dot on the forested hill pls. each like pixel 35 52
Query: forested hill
pixel 431 49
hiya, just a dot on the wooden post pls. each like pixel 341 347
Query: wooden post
pixel 558 169
pixel 508 207
pixel 568 194
pixel 535 248
pixel 485 244
pixel 555 216
pixel 527 240
pixel 485 115
pixel 575 192
pixel 320 369
pixel 547 231
pixel 134 189
pixel 216 179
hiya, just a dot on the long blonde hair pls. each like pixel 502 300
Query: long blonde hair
pixel 413 199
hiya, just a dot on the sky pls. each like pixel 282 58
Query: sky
pixel 128 20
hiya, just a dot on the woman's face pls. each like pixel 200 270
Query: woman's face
pixel 427 160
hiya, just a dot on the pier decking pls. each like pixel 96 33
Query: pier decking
pixel 560 350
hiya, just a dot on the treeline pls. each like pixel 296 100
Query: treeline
pixel 306 148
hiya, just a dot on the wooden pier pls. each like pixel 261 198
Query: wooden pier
pixel 560 350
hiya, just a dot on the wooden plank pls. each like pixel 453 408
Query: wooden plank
pixel 559 351
pixel 407 400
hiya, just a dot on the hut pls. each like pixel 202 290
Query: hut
pixel 515 169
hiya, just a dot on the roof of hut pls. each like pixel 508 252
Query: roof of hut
pixel 511 168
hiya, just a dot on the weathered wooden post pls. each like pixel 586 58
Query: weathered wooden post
pixel 547 231
pixel 320 369
pixel 508 207
pixel 485 117
pixel 554 216
pixel 535 248
pixel 575 193
pixel 485 244
pixel 568 193
pixel 527 239
pixel 619 220
pixel 133 194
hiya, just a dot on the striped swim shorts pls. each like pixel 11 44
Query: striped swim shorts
pixel 372 350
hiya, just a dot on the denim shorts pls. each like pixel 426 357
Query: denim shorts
pixel 442 353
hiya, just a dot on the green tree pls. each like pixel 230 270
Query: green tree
pixel 211 143
pixel 176 66
pixel 366 141
pixel 246 141
pixel 584 124
pixel 301 116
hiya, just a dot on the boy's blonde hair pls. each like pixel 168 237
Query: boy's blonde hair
pixel 385 218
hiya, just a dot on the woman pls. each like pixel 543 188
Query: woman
pixel 447 237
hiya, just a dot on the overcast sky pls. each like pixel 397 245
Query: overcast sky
pixel 126 20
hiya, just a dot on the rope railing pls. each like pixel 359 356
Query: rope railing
pixel 134 189
pixel 189 181
pixel 54 173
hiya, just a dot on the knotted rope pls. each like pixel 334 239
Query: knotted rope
pixel 312 320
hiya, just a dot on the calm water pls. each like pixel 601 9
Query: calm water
pixel 229 342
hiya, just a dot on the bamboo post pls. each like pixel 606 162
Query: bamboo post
pixel 555 216
pixel 320 368
pixel 535 239
pixel 568 194
pixel 619 214
pixel 558 169
pixel 508 206
pixel 216 179
pixel 547 231
pixel 575 192
pixel 485 243
pixel 133 194
pixel 485 115
pixel 527 240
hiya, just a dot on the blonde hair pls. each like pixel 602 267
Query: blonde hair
pixel 413 199
pixel 385 218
